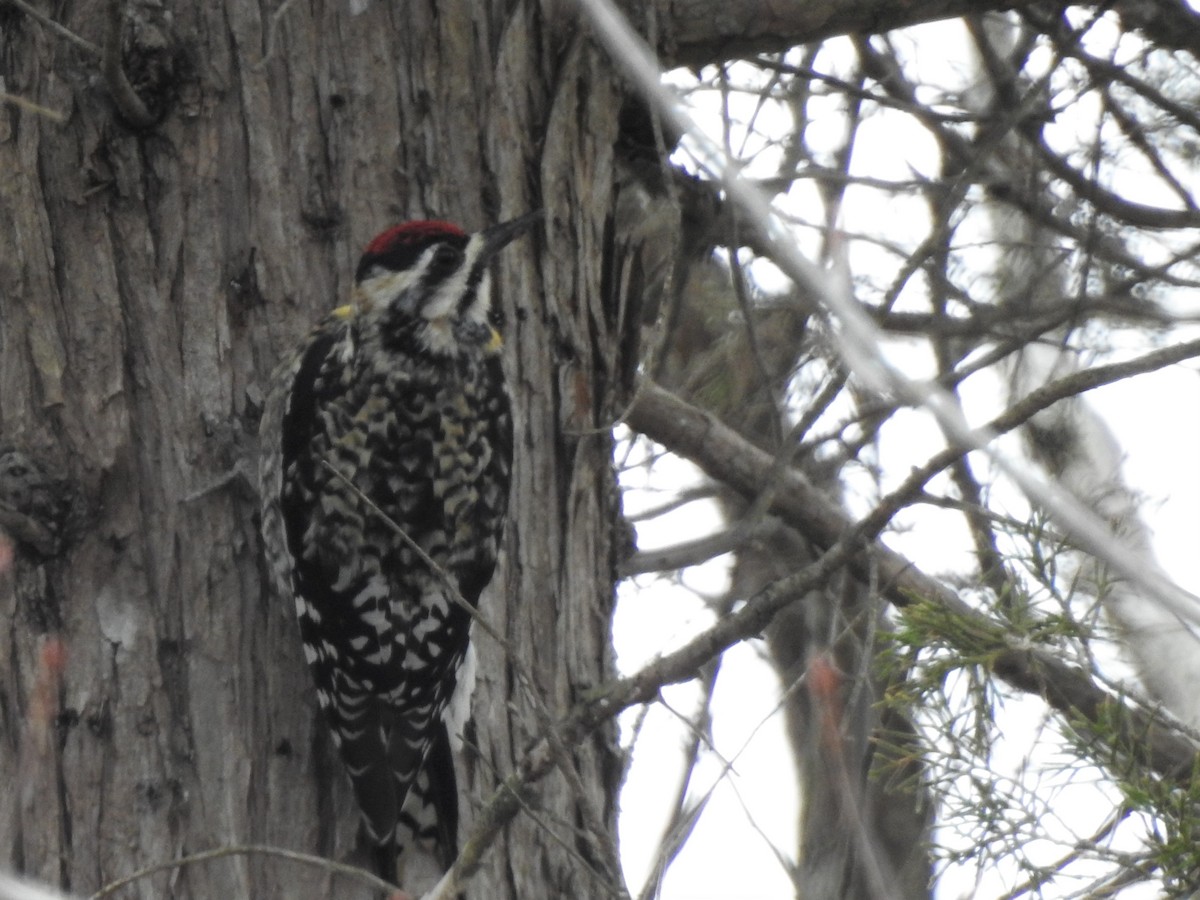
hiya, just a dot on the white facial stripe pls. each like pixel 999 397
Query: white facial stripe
pixel 380 289
pixel 383 288
pixel 478 311
pixel 450 291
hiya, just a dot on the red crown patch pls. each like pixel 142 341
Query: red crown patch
pixel 412 233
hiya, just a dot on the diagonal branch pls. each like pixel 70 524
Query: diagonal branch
pixel 1017 415
pixel 729 458
pixel 59 29
pixel 1145 735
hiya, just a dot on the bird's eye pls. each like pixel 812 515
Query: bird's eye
pixel 446 260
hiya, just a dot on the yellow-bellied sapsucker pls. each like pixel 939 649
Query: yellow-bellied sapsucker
pixel 389 427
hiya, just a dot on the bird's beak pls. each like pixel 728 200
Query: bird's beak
pixel 500 236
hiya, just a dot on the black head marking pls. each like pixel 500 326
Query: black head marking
pixel 401 246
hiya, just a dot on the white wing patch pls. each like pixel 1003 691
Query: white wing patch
pixel 458 710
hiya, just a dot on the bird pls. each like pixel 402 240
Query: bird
pixel 385 465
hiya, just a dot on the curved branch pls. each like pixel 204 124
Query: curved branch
pixel 128 103
pixel 1109 203
pixel 306 859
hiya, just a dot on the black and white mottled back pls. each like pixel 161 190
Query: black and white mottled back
pixel 387 445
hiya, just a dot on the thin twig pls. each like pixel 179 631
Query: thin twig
pixel 611 699
pixel 701 550
pixel 677 500
pixel 1064 687
pixel 685 813
pixel 61 30
pixel 307 859
pixel 29 106
pixel 1021 412
pixel 602 878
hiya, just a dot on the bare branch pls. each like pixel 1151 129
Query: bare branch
pixel 29 106
pixel 727 457
pixel 1155 742
pixel 692 553
pixel 611 699
pixel 61 30
pixel 307 859
pixel 1129 212
pixel 1069 386
pixel 711 31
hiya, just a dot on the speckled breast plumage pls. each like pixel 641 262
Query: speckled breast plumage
pixel 389 449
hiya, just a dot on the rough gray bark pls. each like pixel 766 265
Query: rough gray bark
pixel 152 279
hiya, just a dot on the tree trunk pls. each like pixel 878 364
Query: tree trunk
pixel 153 277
